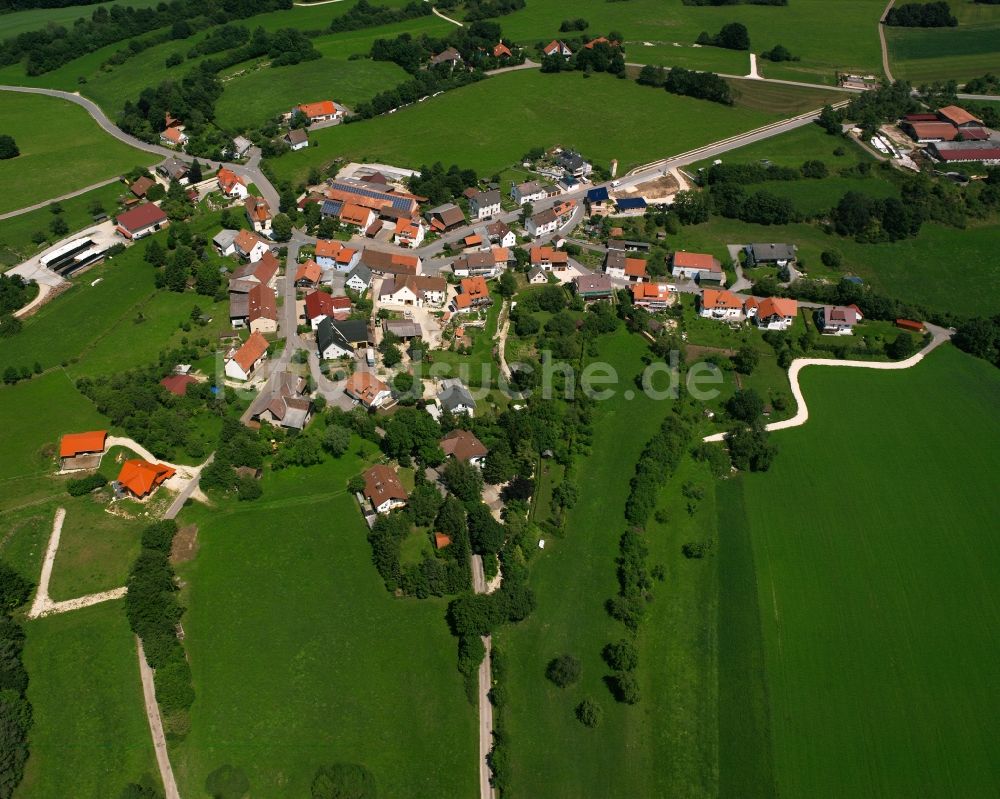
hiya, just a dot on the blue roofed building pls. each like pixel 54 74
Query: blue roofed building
pixel 630 206
pixel 598 201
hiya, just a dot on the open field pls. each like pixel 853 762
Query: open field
pixel 16 233
pixel 56 159
pixel 636 751
pixel 824 41
pixel 538 110
pixel 19 22
pixel 90 735
pixel 777 98
pixel 924 55
pixel 881 571
pixel 341 671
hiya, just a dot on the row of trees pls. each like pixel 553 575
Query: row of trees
pixel 922 15
pixel 756 172
pixel 687 82
pixel 15 709
pixel 365 15
pixel 732 36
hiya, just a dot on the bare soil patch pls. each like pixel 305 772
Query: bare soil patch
pixel 185 545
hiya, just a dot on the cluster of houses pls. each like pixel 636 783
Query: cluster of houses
pixel 953 135
pixel 137 478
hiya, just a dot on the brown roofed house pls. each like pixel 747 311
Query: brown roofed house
pixel 383 489
pixel 464 446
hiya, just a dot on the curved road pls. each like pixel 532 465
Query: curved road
pixel 881 39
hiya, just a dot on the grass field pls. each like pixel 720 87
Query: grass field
pixel 19 22
pixel 876 583
pixel 664 745
pixel 340 670
pixel 925 55
pixel 824 41
pixel 16 233
pixel 56 158
pixel 499 119
pixel 90 735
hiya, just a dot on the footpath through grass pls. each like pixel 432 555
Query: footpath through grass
pixel 876 549
pixel 90 735
pixel 56 158
pixel 301 658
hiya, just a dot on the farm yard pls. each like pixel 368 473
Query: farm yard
pixel 879 571
pixel 41 170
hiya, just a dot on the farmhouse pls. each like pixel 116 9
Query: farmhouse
pixel 225 242
pixel 501 51
pixel 141 221
pixel 340 339
pixel 556 47
pixel 630 206
pixel 838 320
pixel 308 274
pixel 263 271
pixel 445 217
pixel 696 265
pixel 472 293
pixel 141 185
pixel 297 139
pixel 537 276
pixel 175 136
pixel 82 450
pixel 241 364
pixel 359 279
pixel 231 184
pixel 593 287
pixel 139 478
pixel 289 406
pixel 959 117
pixel 763 254
pixel 771 313
pixel 174 169
pixel 367 389
pixel 653 296
pixel 383 200
pixel 961 151
pixel 323 111
pixel 241 146
pixel 529 192
pixel 484 204
pixel 549 259
pixel 388 263
pixel 356 216
pixel 416 290
pixel 449 56
pixel 250 246
pixel 617 265
pixel 383 489
pixel 258 213
pixel 402 329
pixel 464 446
pixel 719 304
pixel 488 264
pixel 333 254
pixel 262 310
pixel 319 305
pixel 177 384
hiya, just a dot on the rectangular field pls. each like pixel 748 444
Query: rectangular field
pixel 877 586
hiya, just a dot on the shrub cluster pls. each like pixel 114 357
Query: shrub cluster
pixel 15 709
pixel 922 15
pixel 365 15
pixel 77 488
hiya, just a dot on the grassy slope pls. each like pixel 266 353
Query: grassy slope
pixel 56 159
pixel 637 751
pixel 90 735
pixel 877 583
pixel 922 55
pixel 340 671
pixel 825 41
pixel 492 123
pixel 33 19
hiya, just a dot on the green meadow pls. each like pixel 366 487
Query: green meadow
pixel 875 547
pixel 18 22
pixel 58 158
pixel 340 671
pixel 90 735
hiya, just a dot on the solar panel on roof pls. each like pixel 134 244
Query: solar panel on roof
pixel 331 208
pixel 402 203
pixel 598 195
pixel 631 202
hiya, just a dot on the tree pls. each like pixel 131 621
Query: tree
pixel 750 449
pixel 624 687
pixel 563 670
pixel 829 120
pixel 486 534
pixel 207 280
pixel 391 355
pixel 589 713
pixel 622 656
pixel 58 226
pixel 424 503
pixel 746 405
pixel 356 484
pixel 402 384
pixel 831 258
pixel 14 589
pixel 194 174
pixel 8 148
pixel 903 346
pixel 336 440
pixel 281 227
pixel 508 285
pixel 746 359
pixel 227 782
pixel 463 480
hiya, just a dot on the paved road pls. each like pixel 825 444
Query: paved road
pixel 71 194
pixel 485 683
pixel 189 489
pixel 156 725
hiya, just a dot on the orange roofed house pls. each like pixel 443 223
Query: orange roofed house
pixel 472 293
pixel 332 253
pixel 697 266
pixel 383 489
pixel 82 450
pixel 653 296
pixel 771 313
pixel 323 111
pixel 720 304
pixel 367 389
pixel 258 213
pixel 140 478
pixel 243 363
pixel 231 184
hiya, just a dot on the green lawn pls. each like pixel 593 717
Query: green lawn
pixel 646 750
pixel 924 55
pixel 877 586
pixel 56 158
pixel 825 41
pixel 339 671
pixel 479 367
pixel 534 109
pixel 16 233
pixel 90 736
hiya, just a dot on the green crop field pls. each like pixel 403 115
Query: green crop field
pixel 90 736
pixel 301 658
pixel 664 746
pixel 56 158
pixel 876 583
pixel 491 124
pixel 924 55
pixel 825 42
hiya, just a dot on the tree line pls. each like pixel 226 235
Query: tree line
pixel 687 82
pixel 921 15
pixel 15 709
pixel 365 15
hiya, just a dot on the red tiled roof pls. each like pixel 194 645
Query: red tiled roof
pixel 251 351
pixel 501 50
pixel 635 267
pixel 257 208
pixel 309 271
pixel 463 445
pixel 321 109
pixel 642 292
pixel 475 288
pixel 957 115
pixel 696 260
pixel 228 179
pixel 441 540
pixel 74 444
pixel 177 384
pixel 140 477
pixel 326 248
pixel 714 298
pixel 382 483
pixel 364 386
pixel 141 217
pixel 263 304
pixel 319 303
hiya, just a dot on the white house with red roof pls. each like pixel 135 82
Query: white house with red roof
pixel 258 213
pixel 838 320
pixel 332 254
pixel 141 221
pixel 556 47
pixel 241 364
pixel 695 265
pixel 250 246
pixel 323 111
pixel 231 184
pixel 771 313
pixel 720 304
pixel 408 233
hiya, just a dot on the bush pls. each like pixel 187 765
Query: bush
pixel 227 782
pixel 14 589
pixel 84 485
pixel 622 656
pixel 624 687
pixel 563 670
pixel 589 713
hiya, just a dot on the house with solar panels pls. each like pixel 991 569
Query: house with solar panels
pixel 630 206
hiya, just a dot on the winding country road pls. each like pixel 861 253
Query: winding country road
pixel 881 39
pixel 485 683
pixel 939 335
